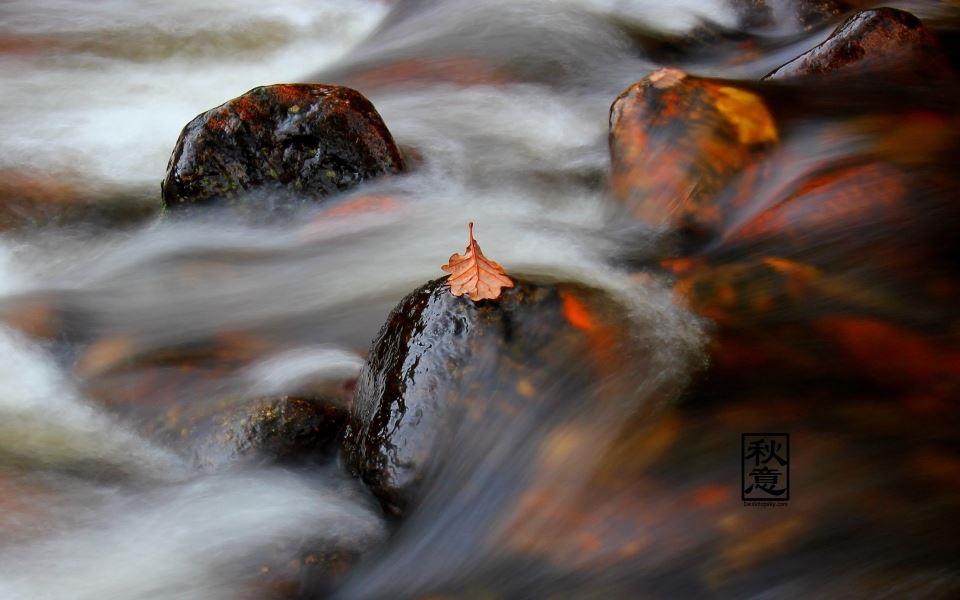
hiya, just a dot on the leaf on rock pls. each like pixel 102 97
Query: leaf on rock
pixel 474 274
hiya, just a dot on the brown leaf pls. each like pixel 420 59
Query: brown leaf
pixel 474 274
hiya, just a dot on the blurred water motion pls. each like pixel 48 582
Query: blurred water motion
pixel 821 301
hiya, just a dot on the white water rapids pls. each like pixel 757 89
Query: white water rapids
pixel 100 109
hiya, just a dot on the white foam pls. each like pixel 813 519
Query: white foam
pixel 45 424
pixel 286 371
pixel 676 16
pixel 202 540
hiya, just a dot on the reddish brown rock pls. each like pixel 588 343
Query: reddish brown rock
pixel 330 220
pixel 866 198
pixel 677 140
pixel 416 72
pixel 291 142
pixel 780 317
pixel 881 41
pixel 40 199
pixel 34 317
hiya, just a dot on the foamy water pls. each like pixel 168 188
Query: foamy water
pixel 198 539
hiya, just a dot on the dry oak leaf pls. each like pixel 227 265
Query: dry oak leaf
pixel 474 274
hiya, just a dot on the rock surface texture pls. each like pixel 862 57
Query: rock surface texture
pixel 883 40
pixel 290 141
pixel 677 140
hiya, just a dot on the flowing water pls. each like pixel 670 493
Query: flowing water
pixel 512 136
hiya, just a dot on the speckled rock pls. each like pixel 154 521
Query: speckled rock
pixel 302 141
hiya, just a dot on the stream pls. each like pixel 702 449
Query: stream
pixel 502 110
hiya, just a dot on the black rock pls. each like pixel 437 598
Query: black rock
pixel 441 361
pixel 302 141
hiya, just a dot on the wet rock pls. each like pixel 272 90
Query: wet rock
pixel 190 398
pixel 783 318
pixel 677 140
pixel 865 199
pixel 288 141
pixel 38 199
pixel 662 493
pixel 311 572
pixel 441 361
pixel 40 318
pixel 881 41
pixel 277 429
pixel 216 432
pixel 822 236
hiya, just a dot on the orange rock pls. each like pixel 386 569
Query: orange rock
pixel 860 198
pixel 780 315
pixel 104 355
pixel 677 140
pixel 34 317
pixel 892 353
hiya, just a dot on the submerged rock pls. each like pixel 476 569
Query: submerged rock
pixel 217 432
pixel 187 397
pixel 418 72
pixel 290 141
pixel 677 140
pixel 791 16
pixel 441 361
pixel 30 199
pixel 884 40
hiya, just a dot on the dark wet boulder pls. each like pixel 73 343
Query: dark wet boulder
pixel 677 140
pixel 187 397
pixel 303 141
pixel 884 41
pixel 274 429
pixel 216 432
pixel 441 362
